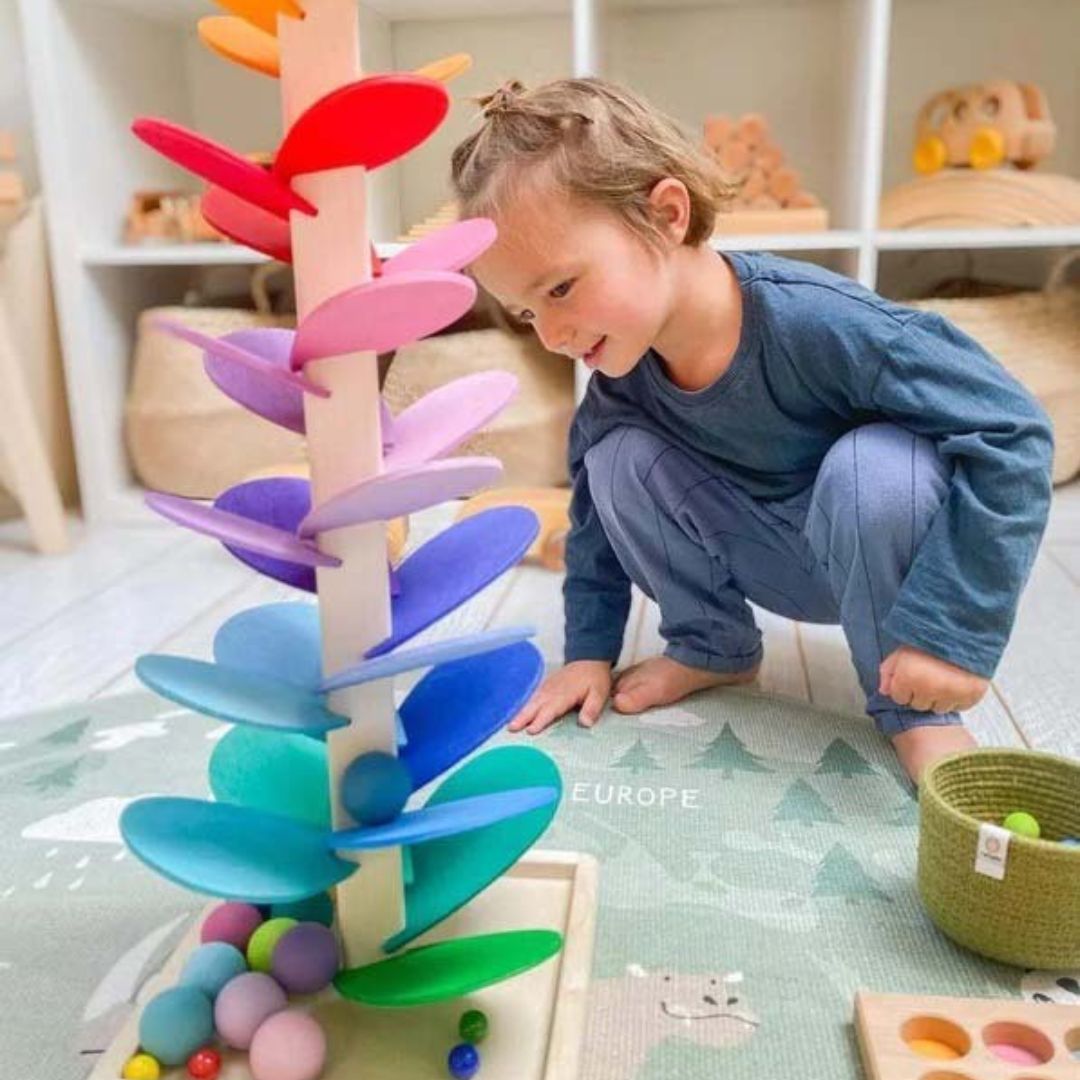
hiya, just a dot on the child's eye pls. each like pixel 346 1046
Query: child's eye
pixel 561 289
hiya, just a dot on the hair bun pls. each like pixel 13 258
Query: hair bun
pixel 502 100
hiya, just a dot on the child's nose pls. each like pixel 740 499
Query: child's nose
pixel 553 336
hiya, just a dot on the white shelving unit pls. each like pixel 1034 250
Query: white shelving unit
pixel 840 81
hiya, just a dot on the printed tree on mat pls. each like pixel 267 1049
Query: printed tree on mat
pixel 908 814
pixel 841 875
pixel 68 735
pixel 62 777
pixel 840 757
pixel 636 759
pixel 728 753
pixel 803 804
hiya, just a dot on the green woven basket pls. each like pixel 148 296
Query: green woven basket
pixel 1032 917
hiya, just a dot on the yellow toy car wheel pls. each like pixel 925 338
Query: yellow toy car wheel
pixel 929 155
pixel 987 149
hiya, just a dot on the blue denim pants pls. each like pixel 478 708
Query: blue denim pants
pixel 701 547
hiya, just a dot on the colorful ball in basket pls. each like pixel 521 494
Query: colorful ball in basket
pixel 1030 917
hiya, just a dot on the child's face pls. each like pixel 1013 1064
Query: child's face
pixel 591 288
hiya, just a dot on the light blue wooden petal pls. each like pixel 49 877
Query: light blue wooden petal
pixel 438 652
pixel 448 873
pixel 280 640
pixel 447 819
pixel 274 771
pixel 237 696
pixel 232 851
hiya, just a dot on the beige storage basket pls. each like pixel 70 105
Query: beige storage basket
pixel 530 435
pixel 183 434
pixel 1036 336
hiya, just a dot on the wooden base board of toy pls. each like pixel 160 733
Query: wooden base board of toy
pixel 537 1020
pixel 968 198
pixel 551 506
pixel 912 1037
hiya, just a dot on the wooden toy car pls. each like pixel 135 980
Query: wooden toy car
pixel 983 126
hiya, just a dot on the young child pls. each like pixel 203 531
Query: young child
pixel 755 428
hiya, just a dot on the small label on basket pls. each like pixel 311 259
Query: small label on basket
pixel 992 851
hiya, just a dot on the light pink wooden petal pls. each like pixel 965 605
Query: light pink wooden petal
pixel 238 531
pixel 219 165
pixel 441 421
pixel 448 249
pixel 390 495
pixel 247 224
pixel 383 314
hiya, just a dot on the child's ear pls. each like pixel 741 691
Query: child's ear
pixel 670 202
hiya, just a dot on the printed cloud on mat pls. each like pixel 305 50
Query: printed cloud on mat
pixel 93 822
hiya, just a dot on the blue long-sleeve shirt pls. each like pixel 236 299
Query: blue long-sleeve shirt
pixel 817 356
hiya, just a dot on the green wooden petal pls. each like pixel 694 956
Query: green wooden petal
pixel 448 873
pixel 281 772
pixel 447 969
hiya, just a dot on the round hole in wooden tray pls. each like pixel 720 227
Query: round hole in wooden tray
pixel 922 1033
pixel 1017 1044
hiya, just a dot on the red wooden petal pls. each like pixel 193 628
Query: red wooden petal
pixel 219 165
pixel 367 123
pixel 247 224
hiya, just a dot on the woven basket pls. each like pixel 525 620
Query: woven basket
pixel 1036 337
pixel 1032 917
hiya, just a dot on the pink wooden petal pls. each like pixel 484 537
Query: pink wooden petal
pixel 448 249
pixel 383 314
pixel 441 421
pixel 238 531
pixel 247 224
pixel 368 123
pixel 390 495
pixel 219 165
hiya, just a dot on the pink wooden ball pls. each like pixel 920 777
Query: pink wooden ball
pixel 244 1004
pixel 290 1045
pixel 232 922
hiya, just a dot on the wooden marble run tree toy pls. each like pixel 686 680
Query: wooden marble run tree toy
pixel 310 784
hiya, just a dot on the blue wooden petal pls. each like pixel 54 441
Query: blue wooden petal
pixel 448 873
pixel 280 640
pixel 438 652
pixel 455 565
pixel 446 819
pixel 231 851
pixel 237 696
pixel 458 706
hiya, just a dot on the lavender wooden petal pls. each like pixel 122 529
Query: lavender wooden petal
pixel 441 421
pixel 237 530
pixel 387 426
pixel 448 249
pixel 438 652
pixel 281 502
pixel 221 166
pixel 383 314
pixel 455 565
pixel 405 491
pixel 252 368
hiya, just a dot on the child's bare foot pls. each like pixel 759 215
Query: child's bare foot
pixel 920 747
pixel 661 681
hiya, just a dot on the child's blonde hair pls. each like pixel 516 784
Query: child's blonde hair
pixel 592 139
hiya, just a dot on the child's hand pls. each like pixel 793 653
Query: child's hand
pixel 582 682
pixel 916 679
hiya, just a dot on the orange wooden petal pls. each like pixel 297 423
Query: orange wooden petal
pixel 446 68
pixel 242 43
pixel 263 13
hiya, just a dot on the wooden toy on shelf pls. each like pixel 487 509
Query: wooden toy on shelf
pixel 551 506
pixel 912 1037
pixel 983 126
pixel 770 196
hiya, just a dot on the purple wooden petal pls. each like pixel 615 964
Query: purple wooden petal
pixel 455 565
pixel 383 314
pixel 241 531
pixel 448 249
pixel 391 494
pixel 252 367
pixel 441 421
pixel 281 502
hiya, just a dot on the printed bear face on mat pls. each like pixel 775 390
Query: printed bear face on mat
pixel 1060 987
pixel 634 1012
